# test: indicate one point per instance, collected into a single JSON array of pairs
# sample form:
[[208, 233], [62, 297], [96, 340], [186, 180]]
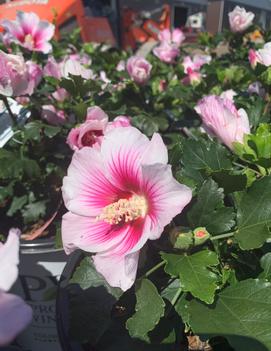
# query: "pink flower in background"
[[23, 100], [14, 76], [254, 58], [121, 66], [264, 55], [176, 37], [30, 32], [221, 118], [166, 53], [228, 94], [240, 19], [162, 85], [75, 68], [15, 315], [193, 77], [120, 121], [34, 76], [196, 62], [52, 115], [60, 94], [118, 197], [91, 132], [83, 59], [52, 68], [139, 69]]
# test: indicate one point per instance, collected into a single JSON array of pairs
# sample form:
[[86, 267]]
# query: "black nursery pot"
[[62, 305]]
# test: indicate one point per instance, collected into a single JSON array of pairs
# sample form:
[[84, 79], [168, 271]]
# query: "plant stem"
[[222, 236], [154, 268], [176, 296], [5, 100]]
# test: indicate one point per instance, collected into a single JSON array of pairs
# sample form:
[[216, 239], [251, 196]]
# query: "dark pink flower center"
[[90, 137]]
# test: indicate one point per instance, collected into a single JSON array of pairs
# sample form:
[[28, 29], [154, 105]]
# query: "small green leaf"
[[204, 155], [51, 131], [34, 211], [266, 266], [17, 204], [87, 276], [194, 272], [145, 123], [149, 310], [209, 210], [254, 215], [32, 131]]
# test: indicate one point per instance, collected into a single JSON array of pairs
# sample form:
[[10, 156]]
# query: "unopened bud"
[[181, 238], [200, 235]]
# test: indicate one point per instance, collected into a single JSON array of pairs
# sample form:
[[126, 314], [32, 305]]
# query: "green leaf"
[[254, 215], [194, 272], [170, 291], [81, 111], [209, 210], [230, 182], [149, 310], [243, 309], [34, 211], [51, 131], [69, 85], [257, 147], [205, 155], [30, 167], [32, 131], [86, 276], [17, 204], [266, 266], [91, 307], [145, 123]]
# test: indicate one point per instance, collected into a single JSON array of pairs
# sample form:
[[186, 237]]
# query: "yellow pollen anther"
[[124, 210], [28, 39]]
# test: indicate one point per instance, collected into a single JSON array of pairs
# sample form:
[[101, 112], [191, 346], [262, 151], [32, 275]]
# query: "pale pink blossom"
[[254, 58], [228, 94], [34, 76], [221, 118], [166, 52], [61, 94], [121, 66], [196, 62], [104, 79], [52, 68], [83, 59], [118, 197], [91, 132], [73, 67], [52, 115], [30, 32], [14, 75], [264, 55], [120, 121], [15, 315], [176, 37], [139, 69], [240, 19]]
